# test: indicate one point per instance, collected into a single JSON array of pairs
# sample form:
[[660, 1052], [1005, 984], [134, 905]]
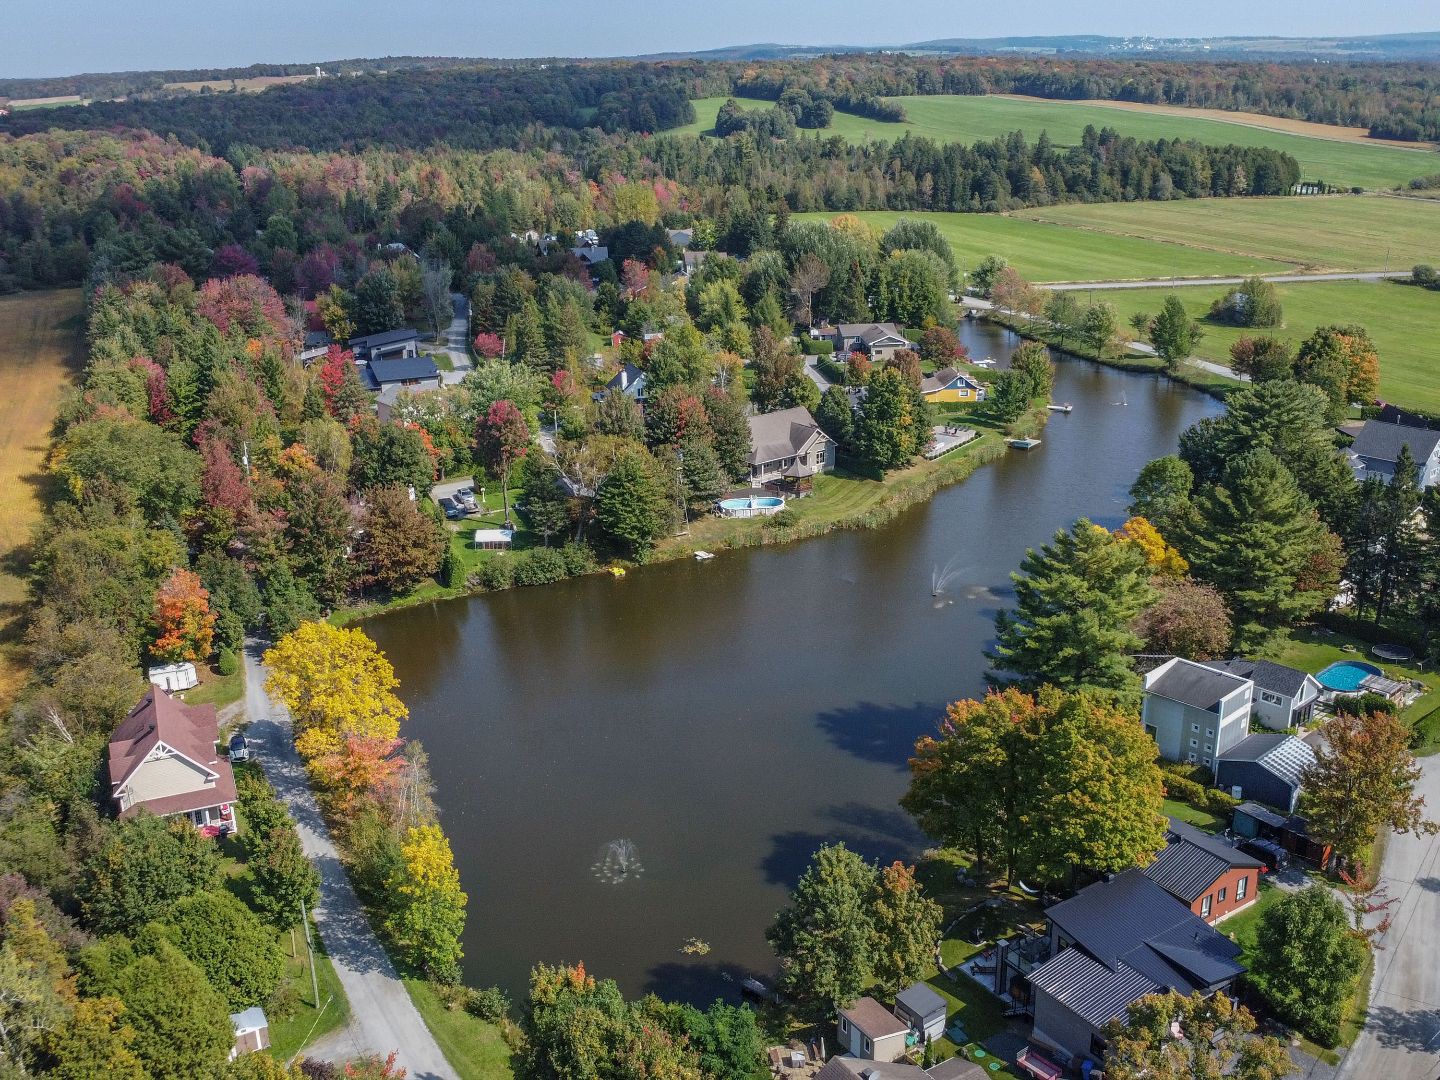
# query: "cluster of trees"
[[1254, 302]]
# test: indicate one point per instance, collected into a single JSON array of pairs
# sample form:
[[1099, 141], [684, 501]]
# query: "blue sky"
[[54, 37]]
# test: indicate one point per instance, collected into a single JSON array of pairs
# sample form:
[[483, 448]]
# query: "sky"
[[61, 37]]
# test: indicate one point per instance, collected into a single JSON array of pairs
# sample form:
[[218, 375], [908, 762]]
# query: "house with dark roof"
[[162, 758], [411, 372], [1110, 945], [788, 447], [1266, 767], [1195, 712], [923, 1009], [1284, 697], [879, 341], [851, 1068], [316, 344], [1377, 448], [870, 1031], [630, 381], [387, 345], [1208, 875], [951, 384]]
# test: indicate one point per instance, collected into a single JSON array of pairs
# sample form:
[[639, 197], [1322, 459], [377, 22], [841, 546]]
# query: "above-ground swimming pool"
[[1347, 675], [752, 506]]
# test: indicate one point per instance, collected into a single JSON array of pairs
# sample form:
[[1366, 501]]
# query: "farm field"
[[1323, 233], [954, 118], [40, 348], [1401, 320], [1043, 251]]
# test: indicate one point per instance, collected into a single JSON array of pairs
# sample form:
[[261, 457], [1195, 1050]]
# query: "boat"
[[1065, 408], [1023, 444], [703, 556], [616, 571], [989, 361]]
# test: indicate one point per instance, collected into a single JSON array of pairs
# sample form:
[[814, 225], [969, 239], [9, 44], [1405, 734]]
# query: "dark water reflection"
[[730, 717]]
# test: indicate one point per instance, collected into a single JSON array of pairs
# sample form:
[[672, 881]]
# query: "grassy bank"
[[289, 1037], [473, 1048]]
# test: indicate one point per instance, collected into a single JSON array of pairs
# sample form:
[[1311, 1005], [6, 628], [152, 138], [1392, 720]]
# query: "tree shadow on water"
[[877, 836], [698, 983], [880, 733]]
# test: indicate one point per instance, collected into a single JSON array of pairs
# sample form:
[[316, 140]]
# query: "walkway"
[[383, 1018], [1401, 1040]]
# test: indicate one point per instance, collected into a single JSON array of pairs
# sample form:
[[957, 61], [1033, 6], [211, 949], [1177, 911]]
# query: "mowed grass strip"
[[1402, 321], [40, 352], [1341, 232], [1045, 251], [967, 119]]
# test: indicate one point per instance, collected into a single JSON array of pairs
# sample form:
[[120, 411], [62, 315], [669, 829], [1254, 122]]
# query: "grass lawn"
[[41, 348], [1044, 251], [473, 1048], [967, 119], [289, 1037], [216, 689], [1201, 819], [1401, 320]]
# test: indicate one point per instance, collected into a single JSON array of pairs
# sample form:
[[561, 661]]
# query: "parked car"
[[452, 509], [1268, 852], [466, 498], [239, 748]]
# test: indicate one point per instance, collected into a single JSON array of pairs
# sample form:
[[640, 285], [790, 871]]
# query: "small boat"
[[1023, 444], [989, 361], [1065, 408], [704, 556], [616, 571]]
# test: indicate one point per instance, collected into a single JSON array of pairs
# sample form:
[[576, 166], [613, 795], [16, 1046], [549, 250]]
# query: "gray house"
[[1377, 448], [387, 346], [1267, 768], [630, 381], [788, 446], [411, 372], [879, 341], [1195, 712], [923, 1009], [1285, 697]]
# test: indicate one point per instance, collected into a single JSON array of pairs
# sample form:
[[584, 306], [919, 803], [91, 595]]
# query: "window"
[[1190, 756], [1206, 761], [1152, 731], [1220, 896], [1205, 908], [1194, 742], [1209, 732], [1273, 699], [1194, 727], [868, 1048], [1241, 886], [844, 1025]]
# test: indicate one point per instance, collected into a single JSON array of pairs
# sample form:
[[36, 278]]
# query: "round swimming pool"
[[750, 506], [1346, 676]]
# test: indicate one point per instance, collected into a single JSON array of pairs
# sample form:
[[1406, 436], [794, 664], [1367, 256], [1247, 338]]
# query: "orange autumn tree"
[[359, 767], [1162, 559], [184, 623]]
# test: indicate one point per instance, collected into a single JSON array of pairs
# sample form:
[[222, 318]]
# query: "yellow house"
[[948, 384]]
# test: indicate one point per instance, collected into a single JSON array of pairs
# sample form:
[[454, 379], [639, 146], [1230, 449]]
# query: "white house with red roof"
[[163, 759]]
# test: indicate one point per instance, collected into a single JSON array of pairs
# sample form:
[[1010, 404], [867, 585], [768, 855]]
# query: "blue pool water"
[[1346, 675], [764, 502]]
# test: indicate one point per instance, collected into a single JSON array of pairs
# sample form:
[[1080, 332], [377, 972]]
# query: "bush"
[[490, 1004], [817, 347], [579, 559], [498, 573], [540, 566], [1423, 274], [1364, 704], [284, 1003], [783, 520], [227, 663], [450, 568]]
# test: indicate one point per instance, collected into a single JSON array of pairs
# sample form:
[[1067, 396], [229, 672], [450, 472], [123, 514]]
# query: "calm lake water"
[[729, 717]]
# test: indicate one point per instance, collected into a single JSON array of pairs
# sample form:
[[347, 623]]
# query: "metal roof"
[[1382, 442], [1277, 678], [1088, 988], [388, 337], [403, 369], [1193, 860], [1281, 755], [920, 999], [1192, 684]]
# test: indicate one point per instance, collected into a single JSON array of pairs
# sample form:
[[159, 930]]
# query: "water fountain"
[[941, 576], [618, 862]]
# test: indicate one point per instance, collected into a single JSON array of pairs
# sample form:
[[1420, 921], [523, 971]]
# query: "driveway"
[[457, 340], [1401, 1040], [383, 1018]]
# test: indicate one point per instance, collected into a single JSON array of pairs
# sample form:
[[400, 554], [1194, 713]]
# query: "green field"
[[1401, 319], [1331, 233], [1042, 251], [950, 118]]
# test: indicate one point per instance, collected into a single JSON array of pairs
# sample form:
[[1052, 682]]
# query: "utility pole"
[[310, 955]]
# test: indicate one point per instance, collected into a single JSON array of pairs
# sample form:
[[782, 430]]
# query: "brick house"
[[1208, 875]]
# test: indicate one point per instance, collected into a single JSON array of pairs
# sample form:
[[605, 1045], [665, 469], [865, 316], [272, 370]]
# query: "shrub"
[[450, 570], [227, 663], [579, 559], [1423, 274], [820, 347], [783, 520], [498, 573], [490, 1004], [540, 566], [284, 1003], [1364, 704]]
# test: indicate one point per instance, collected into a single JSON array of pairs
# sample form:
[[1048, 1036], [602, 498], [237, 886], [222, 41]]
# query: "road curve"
[[383, 1018]]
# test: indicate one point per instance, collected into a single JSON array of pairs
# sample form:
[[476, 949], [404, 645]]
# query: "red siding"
[[1230, 883]]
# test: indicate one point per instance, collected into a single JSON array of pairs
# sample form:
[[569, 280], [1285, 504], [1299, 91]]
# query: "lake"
[[726, 718]]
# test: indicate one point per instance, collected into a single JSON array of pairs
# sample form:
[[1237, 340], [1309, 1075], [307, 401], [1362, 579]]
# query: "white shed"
[[173, 677]]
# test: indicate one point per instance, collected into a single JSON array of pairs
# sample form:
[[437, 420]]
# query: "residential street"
[[383, 1018], [1401, 1041]]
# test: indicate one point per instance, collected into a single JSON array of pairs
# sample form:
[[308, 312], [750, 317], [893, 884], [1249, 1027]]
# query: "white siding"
[[160, 777]]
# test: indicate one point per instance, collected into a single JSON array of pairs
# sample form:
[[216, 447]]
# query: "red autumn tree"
[[501, 438], [359, 767], [231, 260], [157, 400], [183, 621], [244, 301], [339, 383], [222, 482], [489, 345], [634, 279]]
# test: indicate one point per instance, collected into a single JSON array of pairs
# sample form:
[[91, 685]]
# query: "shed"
[[173, 677], [494, 539], [252, 1032], [923, 1009], [1267, 767]]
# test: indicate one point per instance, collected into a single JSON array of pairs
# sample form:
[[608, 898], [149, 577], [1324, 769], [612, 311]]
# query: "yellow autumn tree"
[[1163, 560], [335, 683], [427, 904]]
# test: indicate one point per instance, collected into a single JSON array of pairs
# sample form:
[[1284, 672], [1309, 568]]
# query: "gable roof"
[[1095, 993], [388, 337], [158, 718], [872, 332], [782, 434], [1192, 861], [1277, 678], [625, 378], [920, 999], [1283, 756], [403, 369], [873, 1019], [1382, 442], [946, 377], [848, 1068], [1192, 684]]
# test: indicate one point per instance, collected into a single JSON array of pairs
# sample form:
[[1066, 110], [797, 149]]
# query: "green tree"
[[1064, 314], [133, 461], [700, 471], [142, 866], [912, 286], [547, 505], [376, 305], [911, 234], [1385, 539], [386, 454], [1262, 359], [1161, 493], [1218, 1039], [427, 914], [282, 877], [1254, 302], [825, 937], [835, 415], [501, 439], [985, 273], [400, 546], [223, 938], [887, 428], [1031, 361], [1008, 396], [630, 503], [731, 433], [907, 926], [1343, 362], [1173, 333], [1098, 325], [1076, 600], [95, 1041], [680, 358], [1307, 958], [726, 1038]]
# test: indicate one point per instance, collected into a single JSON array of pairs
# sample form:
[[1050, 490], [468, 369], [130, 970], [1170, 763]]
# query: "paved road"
[[818, 377], [383, 1018], [1279, 279], [1401, 1040], [457, 340]]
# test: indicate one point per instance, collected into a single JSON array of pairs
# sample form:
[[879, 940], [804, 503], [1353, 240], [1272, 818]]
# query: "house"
[[1377, 448], [1267, 768], [1251, 821], [411, 372], [628, 381], [680, 238], [691, 261], [950, 384], [316, 344], [391, 395], [1112, 944], [386, 346], [162, 758], [923, 1009], [1284, 697], [850, 1068], [879, 341], [788, 446], [173, 677], [872, 1032], [1206, 874], [252, 1032], [1195, 712], [591, 255]]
